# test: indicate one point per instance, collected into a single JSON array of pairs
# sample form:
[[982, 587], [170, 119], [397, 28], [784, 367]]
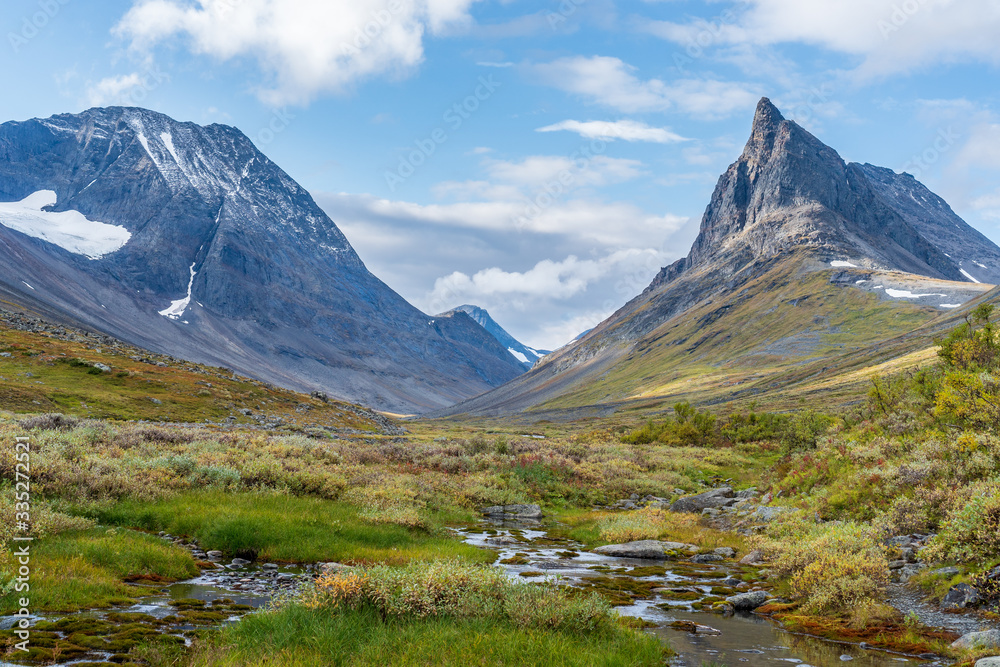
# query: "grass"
[[87, 569], [55, 372], [299, 637], [597, 528], [283, 528]]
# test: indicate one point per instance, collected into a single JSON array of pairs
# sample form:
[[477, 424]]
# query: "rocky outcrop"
[[748, 601]]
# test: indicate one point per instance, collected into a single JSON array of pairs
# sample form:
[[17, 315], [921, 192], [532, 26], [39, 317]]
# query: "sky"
[[540, 159]]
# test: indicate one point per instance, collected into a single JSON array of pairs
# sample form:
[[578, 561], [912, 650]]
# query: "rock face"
[[960, 596], [788, 207], [648, 549], [526, 356], [195, 244]]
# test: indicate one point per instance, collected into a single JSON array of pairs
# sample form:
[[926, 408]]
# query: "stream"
[[662, 593], [666, 593]]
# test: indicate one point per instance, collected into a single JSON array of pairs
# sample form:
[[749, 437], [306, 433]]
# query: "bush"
[[52, 421], [971, 533], [452, 589]]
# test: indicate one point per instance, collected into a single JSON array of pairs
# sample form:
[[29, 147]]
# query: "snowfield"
[[70, 230]]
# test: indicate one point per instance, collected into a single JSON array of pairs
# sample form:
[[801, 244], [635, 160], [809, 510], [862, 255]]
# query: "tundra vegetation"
[[919, 454]]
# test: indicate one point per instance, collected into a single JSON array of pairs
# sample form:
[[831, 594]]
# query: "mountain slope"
[[527, 356], [198, 246], [800, 256]]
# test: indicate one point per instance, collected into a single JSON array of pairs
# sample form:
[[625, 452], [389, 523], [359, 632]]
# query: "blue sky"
[[540, 159]]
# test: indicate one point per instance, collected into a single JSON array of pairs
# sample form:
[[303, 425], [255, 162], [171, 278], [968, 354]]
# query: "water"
[[742, 639]]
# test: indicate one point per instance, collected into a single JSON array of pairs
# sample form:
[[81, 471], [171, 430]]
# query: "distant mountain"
[[527, 356], [800, 256], [187, 240]]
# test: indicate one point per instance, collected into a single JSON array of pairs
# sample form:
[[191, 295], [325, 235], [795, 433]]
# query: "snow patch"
[[70, 230], [966, 274], [841, 264], [144, 141], [906, 294], [981, 266], [177, 308], [168, 141], [518, 355], [858, 282], [950, 305], [27, 285]]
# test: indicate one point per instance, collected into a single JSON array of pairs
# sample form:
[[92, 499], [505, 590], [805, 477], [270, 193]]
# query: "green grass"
[[87, 569], [285, 528], [298, 637]]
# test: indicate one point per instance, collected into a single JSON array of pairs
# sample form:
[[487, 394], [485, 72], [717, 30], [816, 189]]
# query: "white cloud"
[[536, 170], [611, 82], [113, 90], [611, 224], [304, 47], [547, 278], [888, 35], [628, 130]]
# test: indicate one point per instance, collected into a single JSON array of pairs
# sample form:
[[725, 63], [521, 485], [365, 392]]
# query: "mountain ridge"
[[789, 209], [229, 262], [527, 356]]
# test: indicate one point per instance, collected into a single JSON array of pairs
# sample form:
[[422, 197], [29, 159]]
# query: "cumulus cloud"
[[888, 35], [113, 90], [304, 47], [627, 130], [612, 83]]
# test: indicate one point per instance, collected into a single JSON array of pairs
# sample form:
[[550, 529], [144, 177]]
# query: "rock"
[[950, 571], [766, 499], [240, 562], [960, 596], [747, 493], [5, 354], [755, 557], [709, 499], [707, 558], [155, 401], [270, 566], [908, 554], [320, 396], [769, 514], [214, 555], [650, 549], [725, 552], [102, 367], [989, 662], [988, 639], [520, 511], [732, 581], [747, 601], [503, 540], [334, 568], [897, 564], [711, 512], [846, 658], [907, 572]]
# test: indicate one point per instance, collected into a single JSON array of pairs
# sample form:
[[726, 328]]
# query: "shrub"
[[972, 531], [452, 589], [52, 421]]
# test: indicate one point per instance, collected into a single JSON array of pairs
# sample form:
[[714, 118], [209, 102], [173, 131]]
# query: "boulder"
[[709, 499], [989, 662], [747, 493], [334, 568], [725, 552], [707, 558], [515, 511], [769, 514], [649, 549], [755, 557], [988, 639], [949, 571], [960, 596], [747, 601]]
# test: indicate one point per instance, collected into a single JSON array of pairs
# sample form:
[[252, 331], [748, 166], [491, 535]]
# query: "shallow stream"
[[741, 639]]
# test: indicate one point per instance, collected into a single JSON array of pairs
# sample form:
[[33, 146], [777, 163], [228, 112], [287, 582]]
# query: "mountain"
[[800, 257], [187, 240], [527, 356]]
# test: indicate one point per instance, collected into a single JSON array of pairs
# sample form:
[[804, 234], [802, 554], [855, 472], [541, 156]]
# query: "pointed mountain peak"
[[767, 116]]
